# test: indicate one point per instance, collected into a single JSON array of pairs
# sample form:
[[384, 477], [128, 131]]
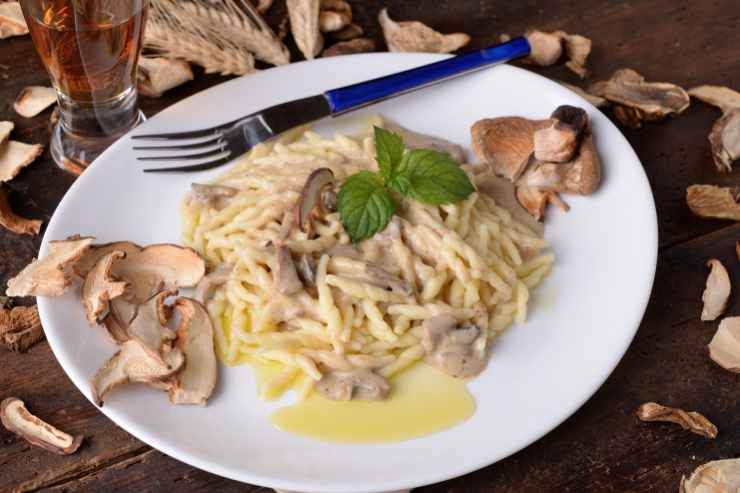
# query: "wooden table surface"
[[603, 447]]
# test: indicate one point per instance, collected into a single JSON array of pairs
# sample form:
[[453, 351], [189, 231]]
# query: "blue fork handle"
[[355, 96]]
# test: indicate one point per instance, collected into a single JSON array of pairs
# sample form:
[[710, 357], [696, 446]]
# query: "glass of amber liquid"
[[90, 49]]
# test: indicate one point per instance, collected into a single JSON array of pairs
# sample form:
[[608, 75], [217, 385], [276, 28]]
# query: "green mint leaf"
[[365, 205], [389, 151], [431, 177]]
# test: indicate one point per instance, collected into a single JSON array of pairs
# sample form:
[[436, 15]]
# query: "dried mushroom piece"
[[5, 129], [149, 326], [13, 222], [14, 156], [577, 49], [719, 476], [195, 383], [597, 101], [12, 22], [692, 421], [636, 100], [413, 36], [20, 328], [714, 201], [717, 291], [101, 286], [334, 15], [48, 276], [157, 75], [548, 48], [725, 140], [724, 348], [33, 100], [357, 45], [17, 419], [723, 98], [304, 22]]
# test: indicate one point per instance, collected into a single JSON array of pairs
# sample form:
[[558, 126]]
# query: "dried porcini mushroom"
[[101, 286], [334, 15], [718, 476], [304, 22], [714, 201], [577, 49], [195, 383], [597, 101], [13, 222], [157, 75], [724, 98], [310, 197], [724, 348], [20, 327], [48, 276], [149, 328], [5, 129], [12, 22], [357, 45], [725, 134], [692, 421], [33, 100], [17, 419], [717, 291], [413, 36], [14, 156], [636, 100], [548, 48]]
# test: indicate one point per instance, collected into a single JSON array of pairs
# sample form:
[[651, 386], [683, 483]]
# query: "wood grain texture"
[[603, 447]]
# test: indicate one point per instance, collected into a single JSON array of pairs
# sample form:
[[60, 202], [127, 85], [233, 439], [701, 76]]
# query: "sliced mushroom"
[[14, 156], [133, 363], [101, 286], [47, 276], [415, 140], [580, 176], [304, 22], [719, 476], [285, 277], [714, 201], [310, 196], [33, 100], [215, 196], [458, 350], [20, 328], [692, 421], [149, 328], [724, 348], [12, 22], [723, 98], [17, 419], [116, 329], [559, 142], [13, 222], [597, 101], [220, 275], [413, 36], [361, 384], [357, 45], [717, 291], [194, 384], [644, 101], [157, 75], [577, 49], [725, 140], [5, 129], [348, 32], [306, 269]]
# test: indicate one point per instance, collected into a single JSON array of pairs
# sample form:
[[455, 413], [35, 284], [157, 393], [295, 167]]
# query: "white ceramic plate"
[[582, 319]]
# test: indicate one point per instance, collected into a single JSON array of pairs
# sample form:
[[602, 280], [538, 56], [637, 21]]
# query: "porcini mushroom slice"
[[133, 363], [580, 176], [724, 348], [649, 101], [157, 75], [723, 98], [692, 421], [47, 276], [17, 419], [12, 22], [149, 325], [285, 277], [33, 100], [714, 201], [304, 23], [458, 350], [14, 156], [5, 129], [413, 36], [20, 327], [546, 48], [100, 287], [719, 476], [195, 383], [558, 143], [717, 291], [725, 141], [311, 195], [13, 222], [359, 384], [357, 45], [212, 280], [577, 49]]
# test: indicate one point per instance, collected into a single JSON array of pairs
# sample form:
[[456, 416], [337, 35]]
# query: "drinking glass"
[[90, 49]]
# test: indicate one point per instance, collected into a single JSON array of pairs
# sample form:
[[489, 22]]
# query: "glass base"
[[74, 153]]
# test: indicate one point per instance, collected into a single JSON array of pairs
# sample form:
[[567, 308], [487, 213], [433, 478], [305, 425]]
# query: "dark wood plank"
[[603, 447]]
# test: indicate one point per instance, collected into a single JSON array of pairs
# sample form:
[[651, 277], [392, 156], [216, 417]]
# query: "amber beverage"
[[90, 49]]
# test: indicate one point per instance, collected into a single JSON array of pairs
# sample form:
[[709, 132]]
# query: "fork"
[[223, 143]]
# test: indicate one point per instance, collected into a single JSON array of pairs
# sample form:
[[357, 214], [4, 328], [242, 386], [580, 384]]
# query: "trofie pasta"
[[358, 306]]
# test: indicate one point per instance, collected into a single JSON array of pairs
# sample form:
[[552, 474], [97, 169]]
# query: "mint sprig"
[[365, 203]]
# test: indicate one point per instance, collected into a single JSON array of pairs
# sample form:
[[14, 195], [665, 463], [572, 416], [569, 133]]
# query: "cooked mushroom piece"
[[458, 350], [304, 23], [17, 419], [14, 156], [717, 291], [47, 276], [219, 276], [12, 22], [719, 476], [580, 176], [306, 269], [413, 36], [714, 201], [158, 75], [195, 383], [100, 287], [361, 384], [558, 143], [33, 100], [310, 196], [724, 348], [149, 325], [692, 421], [13, 222], [285, 277], [216, 196], [415, 140]]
